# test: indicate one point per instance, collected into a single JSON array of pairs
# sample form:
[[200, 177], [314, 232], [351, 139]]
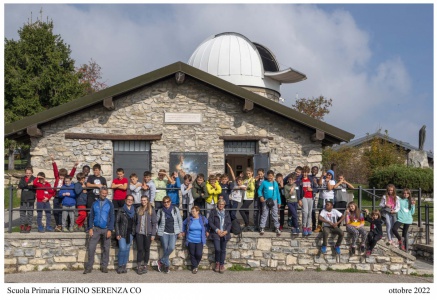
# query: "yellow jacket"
[[250, 188], [213, 192]]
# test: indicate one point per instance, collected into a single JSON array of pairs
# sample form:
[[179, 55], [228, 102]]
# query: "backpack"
[[236, 229]]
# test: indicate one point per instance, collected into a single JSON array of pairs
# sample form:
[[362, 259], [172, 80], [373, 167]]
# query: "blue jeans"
[[123, 251], [292, 208], [57, 214], [168, 243], [220, 250], [43, 206]]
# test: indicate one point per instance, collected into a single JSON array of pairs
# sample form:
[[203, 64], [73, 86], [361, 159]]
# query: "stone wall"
[[66, 251], [142, 112]]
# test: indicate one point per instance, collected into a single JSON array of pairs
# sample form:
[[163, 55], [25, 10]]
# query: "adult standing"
[[169, 229], [145, 230], [195, 228], [124, 231], [96, 182], [102, 223], [27, 203], [220, 223]]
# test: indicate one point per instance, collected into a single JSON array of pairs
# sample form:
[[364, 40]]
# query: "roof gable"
[[333, 134]]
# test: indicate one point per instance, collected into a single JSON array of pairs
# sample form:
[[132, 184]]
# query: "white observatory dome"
[[233, 57]]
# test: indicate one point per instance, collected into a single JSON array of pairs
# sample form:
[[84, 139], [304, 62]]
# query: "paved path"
[[212, 277]]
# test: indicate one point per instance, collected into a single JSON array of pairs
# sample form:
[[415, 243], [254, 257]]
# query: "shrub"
[[403, 177]]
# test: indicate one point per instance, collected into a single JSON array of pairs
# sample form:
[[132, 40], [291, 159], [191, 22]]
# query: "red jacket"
[[43, 193], [56, 173]]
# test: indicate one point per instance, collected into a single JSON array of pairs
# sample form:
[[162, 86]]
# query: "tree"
[[382, 153], [90, 75], [39, 73], [314, 107]]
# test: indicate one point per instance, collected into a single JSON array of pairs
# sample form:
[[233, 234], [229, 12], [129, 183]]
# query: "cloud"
[[329, 47]]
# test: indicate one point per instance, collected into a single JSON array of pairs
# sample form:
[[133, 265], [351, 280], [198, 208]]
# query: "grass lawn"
[[15, 201]]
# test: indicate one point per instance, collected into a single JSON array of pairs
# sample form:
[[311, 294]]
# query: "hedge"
[[403, 177]]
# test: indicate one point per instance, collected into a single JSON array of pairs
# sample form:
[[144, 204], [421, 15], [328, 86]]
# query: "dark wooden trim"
[[318, 136], [248, 105], [108, 103], [114, 137], [244, 137], [34, 131]]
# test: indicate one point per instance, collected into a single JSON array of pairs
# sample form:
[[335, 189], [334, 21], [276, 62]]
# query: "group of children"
[[268, 193]]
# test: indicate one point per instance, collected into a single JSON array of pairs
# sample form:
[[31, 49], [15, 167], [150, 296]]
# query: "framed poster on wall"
[[191, 163]]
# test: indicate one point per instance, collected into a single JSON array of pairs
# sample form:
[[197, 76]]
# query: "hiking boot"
[[119, 270], [194, 271], [318, 229], [87, 270], [104, 269], [222, 269], [49, 228], [22, 228], [261, 231], [337, 250], [28, 228], [323, 249], [58, 228], [159, 265], [123, 269], [278, 231], [217, 267]]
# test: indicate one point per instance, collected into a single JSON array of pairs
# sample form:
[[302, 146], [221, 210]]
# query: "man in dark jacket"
[[101, 225], [27, 200]]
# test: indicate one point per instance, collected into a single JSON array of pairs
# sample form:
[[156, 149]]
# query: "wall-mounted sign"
[[182, 118]]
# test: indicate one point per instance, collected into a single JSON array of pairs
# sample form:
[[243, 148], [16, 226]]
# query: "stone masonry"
[[67, 251], [141, 112]]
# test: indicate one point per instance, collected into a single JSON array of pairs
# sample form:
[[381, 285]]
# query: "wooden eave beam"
[[114, 137]]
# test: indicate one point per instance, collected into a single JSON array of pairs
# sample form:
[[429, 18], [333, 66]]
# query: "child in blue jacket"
[[68, 197]]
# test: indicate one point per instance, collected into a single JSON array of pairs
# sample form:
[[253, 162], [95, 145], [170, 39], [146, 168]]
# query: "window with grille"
[[132, 156], [240, 147]]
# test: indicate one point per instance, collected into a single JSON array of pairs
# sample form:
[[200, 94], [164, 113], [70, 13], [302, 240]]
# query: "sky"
[[375, 61]]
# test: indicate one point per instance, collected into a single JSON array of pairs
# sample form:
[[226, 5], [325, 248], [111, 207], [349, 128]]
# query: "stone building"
[[195, 117]]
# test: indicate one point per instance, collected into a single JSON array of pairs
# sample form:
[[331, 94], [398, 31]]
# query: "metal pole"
[[360, 195], [427, 223], [11, 190], [373, 198], [419, 204]]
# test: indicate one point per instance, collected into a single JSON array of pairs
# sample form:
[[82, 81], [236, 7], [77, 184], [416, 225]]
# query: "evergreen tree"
[[39, 73]]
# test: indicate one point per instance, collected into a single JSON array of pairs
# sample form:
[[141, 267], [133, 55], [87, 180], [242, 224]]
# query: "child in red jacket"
[[44, 193]]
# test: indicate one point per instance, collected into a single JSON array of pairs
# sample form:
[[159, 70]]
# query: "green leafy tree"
[[381, 153], [39, 72], [314, 107]]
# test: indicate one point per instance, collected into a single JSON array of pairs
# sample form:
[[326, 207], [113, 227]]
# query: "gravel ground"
[[228, 277]]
